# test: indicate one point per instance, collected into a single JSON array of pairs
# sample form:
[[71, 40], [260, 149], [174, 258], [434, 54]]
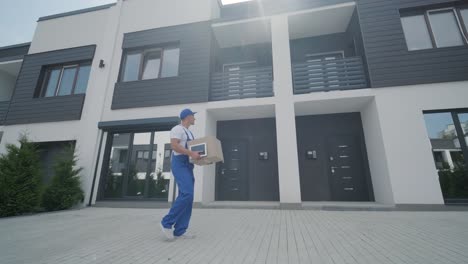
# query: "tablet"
[[200, 148]]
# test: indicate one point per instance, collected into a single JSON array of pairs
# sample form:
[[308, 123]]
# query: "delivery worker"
[[181, 210]]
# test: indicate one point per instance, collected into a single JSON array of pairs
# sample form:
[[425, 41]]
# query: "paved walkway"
[[114, 235]]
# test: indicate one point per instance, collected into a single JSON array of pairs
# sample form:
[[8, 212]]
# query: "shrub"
[[65, 188], [20, 178]]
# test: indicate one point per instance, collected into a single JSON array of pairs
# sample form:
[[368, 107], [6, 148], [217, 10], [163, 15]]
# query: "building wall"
[[390, 63], [7, 84], [15, 52], [408, 149], [400, 160], [193, 80], [70, 31], [272, 7], [26, 108]]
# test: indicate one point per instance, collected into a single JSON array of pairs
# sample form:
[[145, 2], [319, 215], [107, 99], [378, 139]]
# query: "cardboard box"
[[210, 148]]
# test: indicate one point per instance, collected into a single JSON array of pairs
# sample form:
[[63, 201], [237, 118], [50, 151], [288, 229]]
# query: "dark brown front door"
[[232, 174], [345, 169], [332, 158]]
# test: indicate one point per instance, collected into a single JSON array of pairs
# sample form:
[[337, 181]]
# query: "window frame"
[[46, 77], [47, 74], [145, 52], [145, 56], [457, 18], [84, 64], [426, 12], [462, 21], [71, 66]]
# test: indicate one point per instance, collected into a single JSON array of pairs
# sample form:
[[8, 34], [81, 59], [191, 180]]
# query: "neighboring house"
[[313, 100]]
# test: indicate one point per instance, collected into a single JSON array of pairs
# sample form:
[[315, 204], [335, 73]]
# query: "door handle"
[[222, 171], [333, 169]]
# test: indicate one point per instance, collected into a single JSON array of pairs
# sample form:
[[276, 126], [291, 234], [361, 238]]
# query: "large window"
[[436, 28], [135, 166], [62, 80], [150, 64], [447, 132]]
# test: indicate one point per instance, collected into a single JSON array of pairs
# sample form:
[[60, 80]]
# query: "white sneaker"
[[186, 235], [167, 232]]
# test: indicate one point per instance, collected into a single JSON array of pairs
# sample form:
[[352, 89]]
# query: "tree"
[[65, 189], [20, 178]]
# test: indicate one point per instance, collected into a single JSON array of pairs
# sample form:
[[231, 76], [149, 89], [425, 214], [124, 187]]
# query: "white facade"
[[399, 150]]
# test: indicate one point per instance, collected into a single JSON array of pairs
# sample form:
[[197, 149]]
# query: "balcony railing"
[[244, 83], [325, 75]]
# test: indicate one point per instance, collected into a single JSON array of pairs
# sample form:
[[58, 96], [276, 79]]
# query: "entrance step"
[[347, 206], [239, 205], [132, 204]]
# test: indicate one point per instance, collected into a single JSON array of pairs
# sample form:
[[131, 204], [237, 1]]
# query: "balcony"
[[241, 61], [239, 84], [326, 75], [327, 50]]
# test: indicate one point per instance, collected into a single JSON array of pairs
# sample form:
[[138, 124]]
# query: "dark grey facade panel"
[[389, 61], [270, 7], [25, 108], [3, 111], [14, 52], [192, 83]]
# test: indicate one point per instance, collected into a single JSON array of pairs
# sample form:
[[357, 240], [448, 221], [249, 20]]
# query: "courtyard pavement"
[[130, 235]]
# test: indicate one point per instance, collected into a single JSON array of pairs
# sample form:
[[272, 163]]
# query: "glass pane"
[[66, 82], [160, 167], [170, 66], [464, 124], [52, 83], [464, 14], [82, 79], [448, 156], [132, 67], [445, 28], [117, 166], [416, 32], [152, 64], [139, 164]]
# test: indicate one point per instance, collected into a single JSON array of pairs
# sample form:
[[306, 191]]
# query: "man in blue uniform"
[[181, 210]]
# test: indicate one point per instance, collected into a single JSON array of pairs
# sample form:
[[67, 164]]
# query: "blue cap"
[[185, 113]]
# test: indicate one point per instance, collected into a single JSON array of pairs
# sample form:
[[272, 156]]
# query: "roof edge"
[[76, 12]]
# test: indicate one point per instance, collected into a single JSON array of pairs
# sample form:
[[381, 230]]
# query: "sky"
[[18, 18]]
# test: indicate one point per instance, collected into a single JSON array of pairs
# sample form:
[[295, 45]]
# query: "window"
[[132, 64], [65, 80], [447, 134], [171, 62], [151, 64], [438, 28], [445, 28], [416, 32]]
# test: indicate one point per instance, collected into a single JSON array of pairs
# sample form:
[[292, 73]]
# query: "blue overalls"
[[181, 210]]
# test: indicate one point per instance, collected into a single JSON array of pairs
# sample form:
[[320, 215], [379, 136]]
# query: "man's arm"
[[175, 144]]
